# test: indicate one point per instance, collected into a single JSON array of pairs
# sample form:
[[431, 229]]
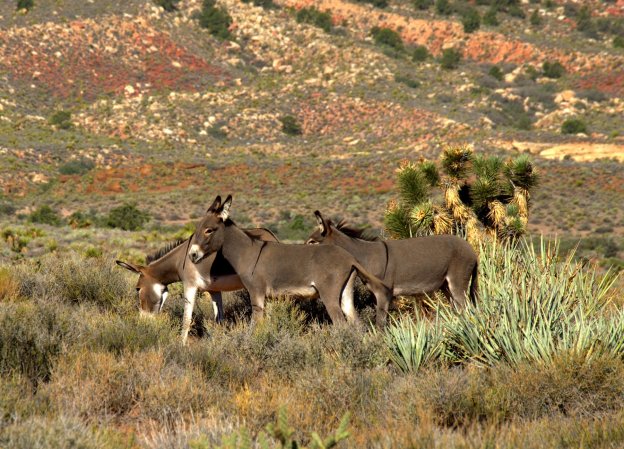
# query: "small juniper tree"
[[482, 196]]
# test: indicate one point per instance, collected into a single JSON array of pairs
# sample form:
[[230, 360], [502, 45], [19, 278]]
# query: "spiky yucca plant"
[[482, 195]]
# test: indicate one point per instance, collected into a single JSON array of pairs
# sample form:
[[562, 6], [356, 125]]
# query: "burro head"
[[210, 231], [321, 233], [152, 294]]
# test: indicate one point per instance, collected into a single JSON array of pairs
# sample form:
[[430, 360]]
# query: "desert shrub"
[[127, 217], [61, 120], [496, 72], [76, 167], [584, 22], [99, 385], [422, 4], [420, 53], [535, 19], [592, 95], [215, 19], [263, 3], [7, 208], [167, 5], [516, 11], [353, 347], [450, 59], [311, 15], [490, 18], [443, 7], [9, 287], [387, 37], [16, 399], [573, 126], [618, 42], [75, 280], [126, 333], [408, 81], [290, 125], [471, 20], [62, 432], [375, 3], [31, 338], [25, 4], [553, 69], [45, 215]]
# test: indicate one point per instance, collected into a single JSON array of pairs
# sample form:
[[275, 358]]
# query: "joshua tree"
[[481, 196]]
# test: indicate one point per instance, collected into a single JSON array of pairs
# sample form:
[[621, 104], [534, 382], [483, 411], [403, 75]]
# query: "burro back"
[[411, 266], [272, 268]]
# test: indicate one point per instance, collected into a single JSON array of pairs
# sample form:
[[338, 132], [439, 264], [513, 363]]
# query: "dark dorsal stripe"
[[355, 233], [164, 251]]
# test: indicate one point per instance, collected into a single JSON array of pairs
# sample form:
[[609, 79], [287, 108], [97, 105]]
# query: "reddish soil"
[[84, 59]]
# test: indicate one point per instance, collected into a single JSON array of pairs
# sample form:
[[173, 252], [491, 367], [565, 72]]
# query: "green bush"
[[535, 19], [315, 17], [490, 18], [387, 37], [420, 53], [76, 167], [422, 4], [215, 19], [290, 125], [408, 81], [167, 5], [496, 72], [45, 215], [471, 20], [573, 126], [25, 4], [263, 3], [61, 120], [618, 42], [443, 7], [375, 3], [450, 59], [553, 69], [7, 208], [127, 217], [516, 11]]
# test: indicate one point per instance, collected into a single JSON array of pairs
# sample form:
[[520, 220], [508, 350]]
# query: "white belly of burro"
[[294, 291]]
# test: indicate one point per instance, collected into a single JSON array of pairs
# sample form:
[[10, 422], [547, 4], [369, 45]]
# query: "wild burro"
[[409, 266], [213, 274], [271, 268]]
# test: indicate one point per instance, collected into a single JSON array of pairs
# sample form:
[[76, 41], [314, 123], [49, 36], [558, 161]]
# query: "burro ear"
[[129, 266], [216, 204], [321, 222], [225, 208]]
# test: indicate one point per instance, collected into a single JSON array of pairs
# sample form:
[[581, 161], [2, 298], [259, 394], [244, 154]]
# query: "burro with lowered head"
[[409, 266], [214, 275], [271, 268]]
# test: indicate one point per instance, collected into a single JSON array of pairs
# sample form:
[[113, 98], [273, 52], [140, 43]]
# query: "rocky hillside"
[[103, 103]]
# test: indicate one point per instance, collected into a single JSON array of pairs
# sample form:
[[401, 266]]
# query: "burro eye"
[[208, 231]]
